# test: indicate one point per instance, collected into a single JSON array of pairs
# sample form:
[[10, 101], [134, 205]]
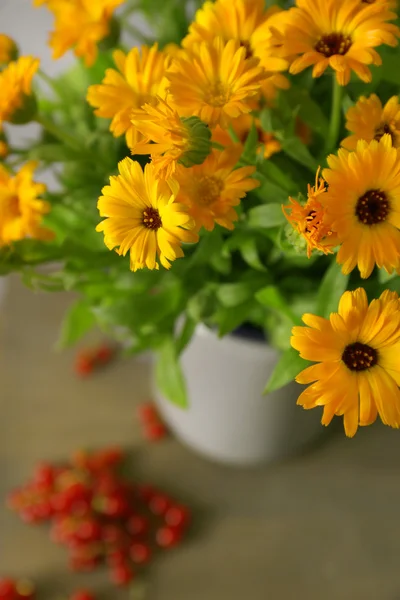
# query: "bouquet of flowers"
[[241, 165]]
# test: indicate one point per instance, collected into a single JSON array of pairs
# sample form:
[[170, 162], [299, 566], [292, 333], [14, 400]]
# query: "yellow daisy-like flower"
[[170, 139], [215, 82], [139, 79], [211, 190], [368, 120], [16, 88], [249, 23], [8, 49], [228, 19], [362, 205], [341, 35], [357, 352], [267, 49], [21, 209], [143, 217], [79, 24], [310, 220]]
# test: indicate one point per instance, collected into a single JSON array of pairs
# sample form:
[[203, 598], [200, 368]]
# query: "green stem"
[[336, 110], [48, 80], [64, 137]]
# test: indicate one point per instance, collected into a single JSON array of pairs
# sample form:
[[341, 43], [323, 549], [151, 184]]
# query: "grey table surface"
[[321, 526]]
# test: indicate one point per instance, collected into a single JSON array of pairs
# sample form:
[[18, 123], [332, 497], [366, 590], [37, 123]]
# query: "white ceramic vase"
[[229, 419]]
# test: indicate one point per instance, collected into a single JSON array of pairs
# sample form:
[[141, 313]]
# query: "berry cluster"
[[99, 516], [16, 589], [152, 425], [88, 360]]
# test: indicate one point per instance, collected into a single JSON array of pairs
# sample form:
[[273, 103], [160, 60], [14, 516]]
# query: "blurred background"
[[323, 525]]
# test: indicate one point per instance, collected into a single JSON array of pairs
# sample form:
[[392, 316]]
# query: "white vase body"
[[228, 418]]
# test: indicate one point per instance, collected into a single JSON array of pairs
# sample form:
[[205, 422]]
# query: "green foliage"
[[289, 365], [169, 374], [332, 287], [257, 273], [78, 321]]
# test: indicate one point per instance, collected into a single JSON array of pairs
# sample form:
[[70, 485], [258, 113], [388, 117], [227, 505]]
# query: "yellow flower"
[[79, 24], [228, 19], [215, 82], [341, 35], [310, 220], [368, 120], [8, 49], [139, 79], [143, 217], [211, 190], [249, 23], [357, 352], [266, 47], [170, 139], [15, 86], [21, 210], [363, 205]]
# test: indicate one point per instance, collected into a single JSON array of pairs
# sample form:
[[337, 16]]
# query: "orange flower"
[[79, 24], [310, 219], [212, 189]]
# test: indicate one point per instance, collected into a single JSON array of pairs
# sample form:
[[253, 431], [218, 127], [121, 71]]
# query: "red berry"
[[121, 574], [7, 588], [155, 431], [103, 354], [84, 365], [177, 516], [145, 492], [44, 475], [147, 412], [137, 525], [82, 595], [167, 537], [159, 504], [140, 553], [116, 557], [112, 534], [89, 530]]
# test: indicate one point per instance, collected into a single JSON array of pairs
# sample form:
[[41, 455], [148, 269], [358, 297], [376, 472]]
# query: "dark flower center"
[[372, 207], [381, 130], [333, 43], [151, 218], [359, 357]]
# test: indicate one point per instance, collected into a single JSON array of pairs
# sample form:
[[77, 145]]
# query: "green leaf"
[[271, 297], [250, 146], [384, 276], [269, 192], [78, 321], [331, 289], [233, 294], [266, 216], [289, 365], [275, 175], [294, 148], [229, 319], [185, 334], [390, 68], [169, 376], [308, 110], [249, 251]]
